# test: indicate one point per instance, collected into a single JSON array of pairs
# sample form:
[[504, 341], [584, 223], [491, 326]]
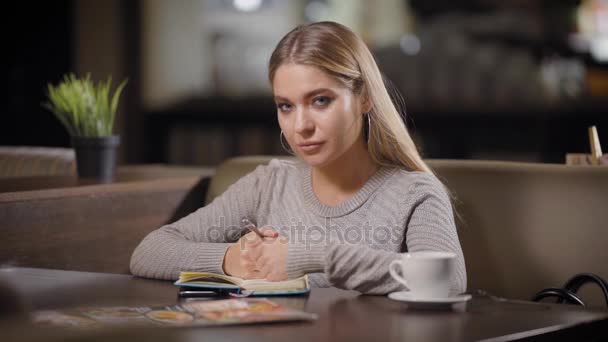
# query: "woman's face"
[[320, 118]]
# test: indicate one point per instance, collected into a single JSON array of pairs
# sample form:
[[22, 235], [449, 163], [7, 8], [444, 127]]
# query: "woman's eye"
[[283, 107], [322, 101]]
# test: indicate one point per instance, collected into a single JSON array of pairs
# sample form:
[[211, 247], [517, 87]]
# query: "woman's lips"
[[310, 147]]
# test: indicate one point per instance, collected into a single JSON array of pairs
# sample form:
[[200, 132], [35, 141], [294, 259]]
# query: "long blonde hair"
[[340, 53]]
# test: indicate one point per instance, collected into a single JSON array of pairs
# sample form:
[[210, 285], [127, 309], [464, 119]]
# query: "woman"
[[358, 195]]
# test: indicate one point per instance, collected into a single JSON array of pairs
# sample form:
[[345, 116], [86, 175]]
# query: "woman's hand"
[[240, 264], [266, 258]]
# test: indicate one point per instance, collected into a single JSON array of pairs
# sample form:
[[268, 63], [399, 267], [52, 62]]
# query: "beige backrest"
[[91, 228], [524, 226]]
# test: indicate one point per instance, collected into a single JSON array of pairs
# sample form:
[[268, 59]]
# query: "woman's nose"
[[303, 122]]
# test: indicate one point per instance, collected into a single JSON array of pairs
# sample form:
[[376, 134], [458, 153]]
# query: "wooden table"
[[343, 315]]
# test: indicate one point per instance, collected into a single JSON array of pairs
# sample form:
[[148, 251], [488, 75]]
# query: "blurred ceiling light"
[[599, 49], [592, 24], [316, 11], [247, 5], [410, 44]]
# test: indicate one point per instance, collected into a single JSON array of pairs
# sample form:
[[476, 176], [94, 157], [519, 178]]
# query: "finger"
[[255, 274], [250, 237], [248, 266], [275, 277], [262, 273], [249, 241], [269, 232], [261, 263], [252, 272], [251, 253], [252, 275], [246, 256]]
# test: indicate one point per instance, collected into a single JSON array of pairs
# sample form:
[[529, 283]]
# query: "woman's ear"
[[366, 107], [366, 103]]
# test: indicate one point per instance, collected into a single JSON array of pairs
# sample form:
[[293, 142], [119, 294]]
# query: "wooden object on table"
[[65, 223], [596, 148], [595, 158], [578, 159], [343, 315], [585, 159]]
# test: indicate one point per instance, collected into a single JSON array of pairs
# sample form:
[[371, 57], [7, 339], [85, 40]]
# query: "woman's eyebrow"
[[306, 96]]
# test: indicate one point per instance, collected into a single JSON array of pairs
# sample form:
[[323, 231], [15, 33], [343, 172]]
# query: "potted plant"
[[87, 110]]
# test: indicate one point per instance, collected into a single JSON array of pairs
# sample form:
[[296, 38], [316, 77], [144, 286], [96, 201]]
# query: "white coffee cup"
[[425, 274]]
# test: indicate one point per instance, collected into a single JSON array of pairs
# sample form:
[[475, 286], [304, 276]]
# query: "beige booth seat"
[[523, 226]]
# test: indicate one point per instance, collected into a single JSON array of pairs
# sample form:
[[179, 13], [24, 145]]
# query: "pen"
[[247, 224]]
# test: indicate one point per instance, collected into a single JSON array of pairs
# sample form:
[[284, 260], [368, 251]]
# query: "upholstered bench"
[[523, 226]]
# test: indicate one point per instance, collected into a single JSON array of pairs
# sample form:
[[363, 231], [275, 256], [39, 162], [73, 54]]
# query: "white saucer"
[[407, 297]]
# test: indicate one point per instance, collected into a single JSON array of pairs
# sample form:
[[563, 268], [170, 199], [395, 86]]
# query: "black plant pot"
[[96, 157]]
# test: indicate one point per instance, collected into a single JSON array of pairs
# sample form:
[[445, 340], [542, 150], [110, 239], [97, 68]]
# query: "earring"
[[288, 150], [369, 127]]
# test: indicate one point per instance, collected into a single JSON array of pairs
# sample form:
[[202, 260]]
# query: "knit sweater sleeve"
[[198, 242], [430, 226]]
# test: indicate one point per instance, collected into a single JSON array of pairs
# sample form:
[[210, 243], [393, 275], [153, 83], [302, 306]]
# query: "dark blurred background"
[[482, 79]]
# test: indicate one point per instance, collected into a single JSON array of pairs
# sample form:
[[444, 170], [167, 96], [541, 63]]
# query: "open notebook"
[[260, 287]]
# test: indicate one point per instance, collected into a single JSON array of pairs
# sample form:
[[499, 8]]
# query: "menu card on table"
[[190, 313]]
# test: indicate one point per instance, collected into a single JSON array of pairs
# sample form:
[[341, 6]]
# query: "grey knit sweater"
[[348, 246]]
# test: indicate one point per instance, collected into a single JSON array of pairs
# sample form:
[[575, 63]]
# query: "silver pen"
[[247, 224]]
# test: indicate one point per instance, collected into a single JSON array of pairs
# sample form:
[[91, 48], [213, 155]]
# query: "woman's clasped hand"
[[255, 257]]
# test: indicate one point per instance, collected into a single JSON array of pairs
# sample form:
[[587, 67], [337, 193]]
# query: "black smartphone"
[[194, 292]]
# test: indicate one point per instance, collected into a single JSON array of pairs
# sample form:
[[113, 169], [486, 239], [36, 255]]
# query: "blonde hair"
[[338, 51]]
